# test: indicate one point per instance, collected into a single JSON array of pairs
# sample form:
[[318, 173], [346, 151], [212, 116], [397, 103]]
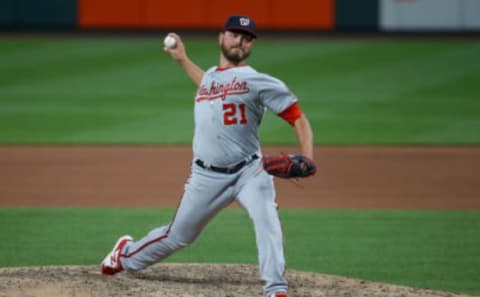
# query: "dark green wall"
[[7, 12], [357, 15], [38, 13]]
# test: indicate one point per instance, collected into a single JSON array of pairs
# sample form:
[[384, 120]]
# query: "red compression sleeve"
[[291, 114]]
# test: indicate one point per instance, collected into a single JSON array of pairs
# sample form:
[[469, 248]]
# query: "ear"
[[220, 37]]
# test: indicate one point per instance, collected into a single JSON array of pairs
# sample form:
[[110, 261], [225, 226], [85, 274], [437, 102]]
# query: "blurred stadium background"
[[321, 15]]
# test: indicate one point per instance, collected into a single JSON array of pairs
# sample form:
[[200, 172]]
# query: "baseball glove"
[[289, 166]]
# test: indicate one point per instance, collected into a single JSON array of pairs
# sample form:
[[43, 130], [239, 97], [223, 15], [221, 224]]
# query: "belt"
[[227, 170]]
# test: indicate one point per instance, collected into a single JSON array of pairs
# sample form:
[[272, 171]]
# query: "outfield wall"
[[317, 15], [208, 14], [429, 15], [38, 13]]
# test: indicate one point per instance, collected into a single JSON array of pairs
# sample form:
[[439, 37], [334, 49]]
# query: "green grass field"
[[129, 91], [427, 249], [355, 92]]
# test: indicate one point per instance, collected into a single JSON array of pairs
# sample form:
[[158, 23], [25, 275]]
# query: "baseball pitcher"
[[227, 164]]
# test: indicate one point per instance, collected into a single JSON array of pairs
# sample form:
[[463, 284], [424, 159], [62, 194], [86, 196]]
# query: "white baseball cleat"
[[278, 294], [111, 264]]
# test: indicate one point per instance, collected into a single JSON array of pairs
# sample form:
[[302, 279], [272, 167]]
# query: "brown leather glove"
[[289, 166]]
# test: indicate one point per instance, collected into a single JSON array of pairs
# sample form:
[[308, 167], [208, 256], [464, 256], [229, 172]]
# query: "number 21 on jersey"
[[234, 114]]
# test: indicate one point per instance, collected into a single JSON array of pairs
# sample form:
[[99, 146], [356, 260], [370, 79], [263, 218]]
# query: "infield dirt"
[[187, 280], [153, 176]]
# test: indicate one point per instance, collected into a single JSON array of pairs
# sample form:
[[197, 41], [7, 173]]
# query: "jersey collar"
[[219, 69]]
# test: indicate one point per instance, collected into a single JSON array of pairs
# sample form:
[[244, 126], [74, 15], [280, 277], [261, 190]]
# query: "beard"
[[235, 55]]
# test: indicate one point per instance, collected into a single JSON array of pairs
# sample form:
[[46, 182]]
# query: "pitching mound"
[[174, 280]]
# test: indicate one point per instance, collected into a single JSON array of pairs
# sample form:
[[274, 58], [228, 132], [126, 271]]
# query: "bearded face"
[[236, 47]]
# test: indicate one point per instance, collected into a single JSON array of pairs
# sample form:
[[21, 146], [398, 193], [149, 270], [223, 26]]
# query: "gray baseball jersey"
[[229, 106]]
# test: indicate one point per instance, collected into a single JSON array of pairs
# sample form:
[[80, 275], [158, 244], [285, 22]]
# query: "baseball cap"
[[241, 23]]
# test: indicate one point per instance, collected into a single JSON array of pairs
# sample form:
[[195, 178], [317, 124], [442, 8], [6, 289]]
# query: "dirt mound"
[[187, 280]]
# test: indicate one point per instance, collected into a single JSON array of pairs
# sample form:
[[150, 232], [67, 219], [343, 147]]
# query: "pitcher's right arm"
[[179, 54]]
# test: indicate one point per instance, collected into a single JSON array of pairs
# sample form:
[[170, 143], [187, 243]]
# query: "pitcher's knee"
[[179, 242]]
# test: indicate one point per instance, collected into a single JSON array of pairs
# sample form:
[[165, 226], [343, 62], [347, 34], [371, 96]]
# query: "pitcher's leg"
[[198, 205], [154, 247], [257, 197]]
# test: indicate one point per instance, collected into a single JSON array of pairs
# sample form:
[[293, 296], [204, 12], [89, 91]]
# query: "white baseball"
[[169, 41]]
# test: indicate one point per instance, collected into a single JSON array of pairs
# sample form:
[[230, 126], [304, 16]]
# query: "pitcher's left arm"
[[304, 134], [294, 166]]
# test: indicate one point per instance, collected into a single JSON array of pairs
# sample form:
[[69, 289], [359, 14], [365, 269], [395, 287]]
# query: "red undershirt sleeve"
[[291, 114]]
